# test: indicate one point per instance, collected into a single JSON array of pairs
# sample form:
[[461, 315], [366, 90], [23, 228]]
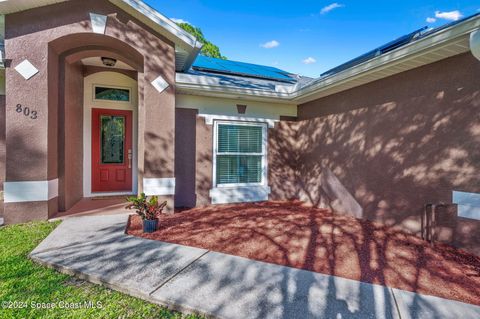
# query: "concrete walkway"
[[190, 279]]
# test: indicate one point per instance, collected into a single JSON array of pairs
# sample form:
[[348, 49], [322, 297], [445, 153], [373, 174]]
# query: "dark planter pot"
[[149, 226]]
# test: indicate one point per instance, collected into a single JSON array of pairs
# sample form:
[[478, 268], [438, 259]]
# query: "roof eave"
[[137, 9], [455, 36], [201, 86], [434, 47], [191, 58], [145, 13], [164, 26]]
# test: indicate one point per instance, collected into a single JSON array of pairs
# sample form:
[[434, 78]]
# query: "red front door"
[[111, 150]]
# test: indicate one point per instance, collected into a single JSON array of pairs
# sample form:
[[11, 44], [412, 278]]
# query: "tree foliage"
[[209, 49]]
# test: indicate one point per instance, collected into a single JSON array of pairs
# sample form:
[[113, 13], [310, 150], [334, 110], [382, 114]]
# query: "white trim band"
[[17, 192], [226, 195], [159, 186], [210, 117]]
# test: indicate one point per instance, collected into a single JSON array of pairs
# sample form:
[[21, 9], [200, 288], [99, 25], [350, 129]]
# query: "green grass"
[[25, 282]]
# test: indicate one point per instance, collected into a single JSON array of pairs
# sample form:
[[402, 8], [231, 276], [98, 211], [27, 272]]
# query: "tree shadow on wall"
[[390, 158]]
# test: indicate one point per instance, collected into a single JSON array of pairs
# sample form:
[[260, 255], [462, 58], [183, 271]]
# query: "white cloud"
[[179, 20], [431, 20], [450, 15], [270, 44], [331, 7], [309, 60]]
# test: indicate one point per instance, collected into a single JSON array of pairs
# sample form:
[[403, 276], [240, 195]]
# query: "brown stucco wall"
[[383, 150], [27, 211], [204, 164], [283, 156], [185, 149], [2, 148], [70, 125], [61, 32]]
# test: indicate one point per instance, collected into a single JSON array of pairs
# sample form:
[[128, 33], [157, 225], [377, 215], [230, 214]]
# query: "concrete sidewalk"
[[190, 279]]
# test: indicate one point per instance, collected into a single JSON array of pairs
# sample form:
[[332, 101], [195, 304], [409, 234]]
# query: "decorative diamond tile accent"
[[160, 84], [26, 69], [99, 22]]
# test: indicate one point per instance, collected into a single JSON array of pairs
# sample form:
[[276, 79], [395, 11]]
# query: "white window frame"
[[264, 154], [94, 98]]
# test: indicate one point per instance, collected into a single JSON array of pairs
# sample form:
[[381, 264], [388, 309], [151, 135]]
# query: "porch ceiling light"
[[475, 43], [108, 61]]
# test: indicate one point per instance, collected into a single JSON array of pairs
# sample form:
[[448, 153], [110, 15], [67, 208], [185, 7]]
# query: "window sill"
[[239, 194]]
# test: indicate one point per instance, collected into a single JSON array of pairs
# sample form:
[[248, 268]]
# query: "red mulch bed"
[[287, 233]]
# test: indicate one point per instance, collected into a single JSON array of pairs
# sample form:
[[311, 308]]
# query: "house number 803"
[[25, 110]]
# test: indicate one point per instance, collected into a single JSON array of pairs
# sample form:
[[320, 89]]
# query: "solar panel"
[[375, 52], [203, 63]]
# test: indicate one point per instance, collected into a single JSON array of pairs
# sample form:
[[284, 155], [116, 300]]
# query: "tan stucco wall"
[[223, 106], [383, 150]]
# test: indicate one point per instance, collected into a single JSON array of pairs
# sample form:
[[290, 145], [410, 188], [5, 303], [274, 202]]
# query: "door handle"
[[129, 158]]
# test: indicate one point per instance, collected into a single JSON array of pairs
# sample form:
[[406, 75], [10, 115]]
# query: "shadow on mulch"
[[289, 234]]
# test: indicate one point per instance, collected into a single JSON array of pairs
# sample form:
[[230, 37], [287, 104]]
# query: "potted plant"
[[148, 209]]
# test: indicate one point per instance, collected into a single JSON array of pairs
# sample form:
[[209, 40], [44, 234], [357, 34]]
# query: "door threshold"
[[112, 195]]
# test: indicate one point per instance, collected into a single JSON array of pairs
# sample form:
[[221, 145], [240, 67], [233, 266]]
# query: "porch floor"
[[96, 206], [289, 234]]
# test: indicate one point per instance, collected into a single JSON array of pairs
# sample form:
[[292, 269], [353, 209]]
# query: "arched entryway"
[[97, 117], [45, 152]]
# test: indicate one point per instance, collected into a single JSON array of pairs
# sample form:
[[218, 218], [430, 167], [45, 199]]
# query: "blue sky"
[[308, 37]]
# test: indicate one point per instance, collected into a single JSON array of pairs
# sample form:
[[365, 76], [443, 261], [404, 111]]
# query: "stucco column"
[[157, 112], [31, 184]]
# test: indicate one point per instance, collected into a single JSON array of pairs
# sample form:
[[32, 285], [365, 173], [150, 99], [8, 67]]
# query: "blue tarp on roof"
[[203, 63]]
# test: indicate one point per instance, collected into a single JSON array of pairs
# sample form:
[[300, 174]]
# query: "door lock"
[[129, 158]]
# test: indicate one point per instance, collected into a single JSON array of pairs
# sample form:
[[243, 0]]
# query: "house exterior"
[[102, 98]]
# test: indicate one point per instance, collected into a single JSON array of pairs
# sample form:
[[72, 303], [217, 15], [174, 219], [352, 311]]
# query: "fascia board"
[[147, 14], [408, 51], [164, 26]]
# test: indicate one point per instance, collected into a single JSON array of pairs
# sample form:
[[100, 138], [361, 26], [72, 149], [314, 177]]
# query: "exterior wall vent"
[[241, 108]]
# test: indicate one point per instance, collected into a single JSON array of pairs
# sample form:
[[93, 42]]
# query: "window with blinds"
[[239, 153]]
